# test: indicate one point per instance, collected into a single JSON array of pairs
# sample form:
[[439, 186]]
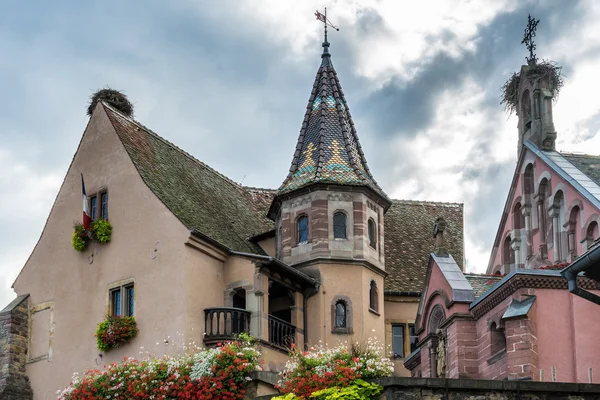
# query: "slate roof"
[[200, 197], [328, 150], [408, 234], [589, 165], [482, 283]]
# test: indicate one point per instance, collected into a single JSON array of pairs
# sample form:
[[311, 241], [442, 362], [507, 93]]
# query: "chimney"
[[438, 233]]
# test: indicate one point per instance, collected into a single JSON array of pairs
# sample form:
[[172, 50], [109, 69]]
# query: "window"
[[372, 234], [94, 207], [498, 340], [398, 340], [404, 339], [104, 204], [339, 225], [99, 210], [302, 229], [340, 314], [413, 337], [373, 298], [122, 301]]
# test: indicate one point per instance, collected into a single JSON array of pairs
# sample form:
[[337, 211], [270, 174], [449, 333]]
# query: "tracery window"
[[372, 232], [339, 225], [302, 229]]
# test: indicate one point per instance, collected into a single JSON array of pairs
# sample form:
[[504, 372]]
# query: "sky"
[[229, 81]]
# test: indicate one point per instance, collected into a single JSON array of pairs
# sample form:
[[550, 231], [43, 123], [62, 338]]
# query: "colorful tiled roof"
[[199, 196], [328, 150], [409, 240], [589, 165], [482, 283]]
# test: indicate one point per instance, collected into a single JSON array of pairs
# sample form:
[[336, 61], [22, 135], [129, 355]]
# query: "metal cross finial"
[[532, 24]]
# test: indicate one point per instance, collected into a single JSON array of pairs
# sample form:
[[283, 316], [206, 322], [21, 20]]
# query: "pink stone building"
[[523, 320]]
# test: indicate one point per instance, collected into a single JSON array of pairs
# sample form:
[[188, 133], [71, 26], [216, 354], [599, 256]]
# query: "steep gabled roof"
[[589, 165], [200, 197], [408, 233], [328, 150]]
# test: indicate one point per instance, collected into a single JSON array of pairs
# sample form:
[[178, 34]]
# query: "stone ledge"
[[488, 385]]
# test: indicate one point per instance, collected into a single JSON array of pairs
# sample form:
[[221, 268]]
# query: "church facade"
[[523, 320], [195, 257]]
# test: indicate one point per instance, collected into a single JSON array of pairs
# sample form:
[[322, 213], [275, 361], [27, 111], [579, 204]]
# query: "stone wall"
[[454, 389], [14, 328]]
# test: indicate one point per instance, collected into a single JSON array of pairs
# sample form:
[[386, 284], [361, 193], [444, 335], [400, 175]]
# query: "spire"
[[328, 150]]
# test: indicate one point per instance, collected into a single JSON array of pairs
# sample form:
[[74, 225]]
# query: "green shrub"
[[102, 230], [358, 390], [79, 239]]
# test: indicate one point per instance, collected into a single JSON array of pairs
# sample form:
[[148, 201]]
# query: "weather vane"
[[532, 24], [323, 18]]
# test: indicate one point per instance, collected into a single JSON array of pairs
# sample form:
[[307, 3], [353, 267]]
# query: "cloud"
[[229, 81]]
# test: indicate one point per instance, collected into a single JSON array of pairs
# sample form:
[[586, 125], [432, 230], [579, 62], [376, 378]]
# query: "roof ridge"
[[171, 144], [258, 188], [427, 202]]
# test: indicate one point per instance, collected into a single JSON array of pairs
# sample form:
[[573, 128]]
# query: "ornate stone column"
[[554, 213], [541, 211], [515, 244], [526, 210]]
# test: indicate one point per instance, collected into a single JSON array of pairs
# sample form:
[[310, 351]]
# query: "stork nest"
[[546, 70], [116, 99]]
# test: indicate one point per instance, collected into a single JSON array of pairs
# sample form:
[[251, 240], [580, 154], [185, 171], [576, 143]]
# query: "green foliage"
[[115, 331], [102, 230], [79, 239], [358, 390], [289, 396]]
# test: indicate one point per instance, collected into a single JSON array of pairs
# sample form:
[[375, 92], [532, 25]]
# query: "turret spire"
[[328, 150]]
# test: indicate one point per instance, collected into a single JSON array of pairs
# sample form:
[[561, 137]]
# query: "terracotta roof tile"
[[409, 240]]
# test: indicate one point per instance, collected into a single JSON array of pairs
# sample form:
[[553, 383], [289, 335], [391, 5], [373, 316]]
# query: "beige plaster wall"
[[146, 247], [351, 281], [398, 310]]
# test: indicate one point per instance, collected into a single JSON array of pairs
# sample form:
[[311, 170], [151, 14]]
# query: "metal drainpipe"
[[305, 296], [582, 264]]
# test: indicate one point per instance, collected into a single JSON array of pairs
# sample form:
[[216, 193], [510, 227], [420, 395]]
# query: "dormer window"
[[339, 225], [302, 229], [372, 231]]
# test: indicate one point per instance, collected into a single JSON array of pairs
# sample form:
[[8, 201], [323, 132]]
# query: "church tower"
[[535, 87], [329, 216]]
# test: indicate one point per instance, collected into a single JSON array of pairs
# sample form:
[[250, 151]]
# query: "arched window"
[[372, 231], [591, 233], [558, 212], [498, 339], [528, 182], [518, 217], [373, 297], [302, 229], [545, 233], [340, 314], [508, 255], [339, 225]]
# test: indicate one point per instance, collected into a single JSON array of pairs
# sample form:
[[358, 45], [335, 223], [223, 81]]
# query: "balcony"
[[224, 323]]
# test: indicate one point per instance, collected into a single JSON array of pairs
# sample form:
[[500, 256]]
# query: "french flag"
[[86, 211]]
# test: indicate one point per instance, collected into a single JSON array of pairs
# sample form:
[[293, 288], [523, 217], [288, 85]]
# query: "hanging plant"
[[99, 231], [80, 237], [115, 331], [545, 70]]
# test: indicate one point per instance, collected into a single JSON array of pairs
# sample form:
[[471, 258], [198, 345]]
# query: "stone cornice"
[[519, 281]]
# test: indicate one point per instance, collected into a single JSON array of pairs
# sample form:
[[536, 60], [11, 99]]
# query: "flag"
[[320, 16], [86, 211]]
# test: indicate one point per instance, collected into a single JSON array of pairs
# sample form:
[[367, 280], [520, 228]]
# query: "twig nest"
[[116, 99]]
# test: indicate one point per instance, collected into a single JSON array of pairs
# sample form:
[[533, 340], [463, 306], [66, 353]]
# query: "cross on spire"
[[326, 22], [532, 24]]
